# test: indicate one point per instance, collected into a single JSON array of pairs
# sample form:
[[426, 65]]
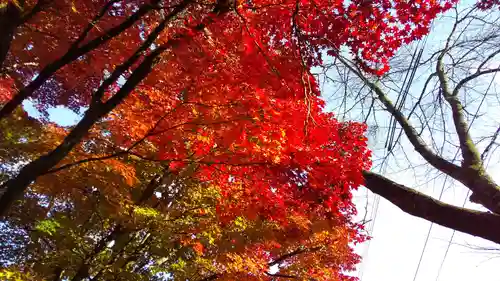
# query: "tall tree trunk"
[[10, 16]]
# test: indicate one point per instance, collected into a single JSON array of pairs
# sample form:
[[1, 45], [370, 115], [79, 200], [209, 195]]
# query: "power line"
[[373, 215], [442, 189], [468, 191], [401, 98], [407, 88], [403, 93], [449, 242], [430, 227], [440, 196]]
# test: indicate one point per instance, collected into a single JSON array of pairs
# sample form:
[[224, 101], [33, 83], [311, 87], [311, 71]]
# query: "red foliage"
[[488, 4], [293, 30], [259, 137], [232, 95], [238, 92]]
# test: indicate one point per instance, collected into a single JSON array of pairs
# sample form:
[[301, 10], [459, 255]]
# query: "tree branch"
[[277, 275], [10, 16], [467, 79], [71, 55], [469, 152], [40, 4], [482, 224], [120, 70], [92, 23], [473, 175], [292, 254], [15, 187], [275, 262], [413, 136]]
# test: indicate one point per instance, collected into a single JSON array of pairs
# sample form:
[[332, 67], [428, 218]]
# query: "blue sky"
[[60, 115]]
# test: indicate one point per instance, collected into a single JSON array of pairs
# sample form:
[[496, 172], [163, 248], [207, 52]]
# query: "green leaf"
[[179, 265], [49, 226], [146, 212]]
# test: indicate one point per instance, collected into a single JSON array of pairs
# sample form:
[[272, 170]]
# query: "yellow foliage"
[[15, 275], [146, 212]]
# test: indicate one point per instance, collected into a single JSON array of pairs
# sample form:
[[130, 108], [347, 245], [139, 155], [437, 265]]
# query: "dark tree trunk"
[[10, 17]]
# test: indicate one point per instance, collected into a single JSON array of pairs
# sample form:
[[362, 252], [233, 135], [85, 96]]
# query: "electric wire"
[[415, 60], [442, 190], [468, 191]]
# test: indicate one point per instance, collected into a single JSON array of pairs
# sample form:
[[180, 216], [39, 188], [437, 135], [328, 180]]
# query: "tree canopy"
[[204, 151]]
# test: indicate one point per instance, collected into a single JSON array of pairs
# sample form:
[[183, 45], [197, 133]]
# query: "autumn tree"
[[189, 196], [204, 151], [258, 32], [439, 100]]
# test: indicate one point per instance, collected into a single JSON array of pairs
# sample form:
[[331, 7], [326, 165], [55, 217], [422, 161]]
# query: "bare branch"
[[420, 146], [477, 74]]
